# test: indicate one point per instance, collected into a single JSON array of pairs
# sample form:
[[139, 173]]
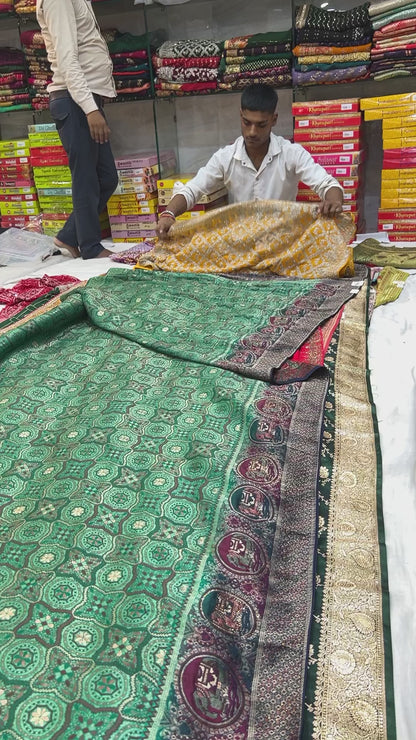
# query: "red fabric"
[[28, 290]]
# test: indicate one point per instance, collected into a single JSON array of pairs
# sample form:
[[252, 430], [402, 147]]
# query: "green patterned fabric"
[[157, 536]]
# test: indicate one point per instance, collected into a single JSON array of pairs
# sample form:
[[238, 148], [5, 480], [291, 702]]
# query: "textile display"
[[331, 46], [26, 291], [40, 73], [288, 239], [394, 42], [260, 57], [131, 66], [159, 510], [186, 67], [14, 90]]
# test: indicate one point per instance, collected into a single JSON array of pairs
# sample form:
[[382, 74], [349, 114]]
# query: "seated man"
[[258, 166]]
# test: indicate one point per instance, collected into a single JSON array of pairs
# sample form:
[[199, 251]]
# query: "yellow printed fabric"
[[287, 239]]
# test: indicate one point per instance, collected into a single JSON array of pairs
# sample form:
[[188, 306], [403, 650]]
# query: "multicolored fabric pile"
[[131, 67], [14, 89], [40, 74], [331, 46], [187, 67], [394, 41], [260, 57]]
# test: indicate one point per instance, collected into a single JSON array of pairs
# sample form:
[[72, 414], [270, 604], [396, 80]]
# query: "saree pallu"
[[288, 239], [159, 501]]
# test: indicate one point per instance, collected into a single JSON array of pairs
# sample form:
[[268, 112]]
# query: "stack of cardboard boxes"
[[331, 130], [397, 212], [18, 197]]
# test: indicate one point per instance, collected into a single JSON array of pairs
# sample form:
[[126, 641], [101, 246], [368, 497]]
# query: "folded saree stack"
[[25, 7], [260, 57], [6, 6], [331, 46], [187, 67], [393, 53], [131, 68], [38, 66], [14, 90]]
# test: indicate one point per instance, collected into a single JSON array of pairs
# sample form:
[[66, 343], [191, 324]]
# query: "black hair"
[[259, 97]]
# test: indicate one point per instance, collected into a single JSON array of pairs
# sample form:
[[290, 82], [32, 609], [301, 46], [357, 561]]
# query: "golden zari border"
[[350, 691]]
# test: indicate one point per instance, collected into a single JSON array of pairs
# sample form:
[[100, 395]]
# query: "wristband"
[[170, 214]]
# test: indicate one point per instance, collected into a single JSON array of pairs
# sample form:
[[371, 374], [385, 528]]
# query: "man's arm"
[[332, 202], [321, 182], [207, 180], [61, 23], [177, 206]]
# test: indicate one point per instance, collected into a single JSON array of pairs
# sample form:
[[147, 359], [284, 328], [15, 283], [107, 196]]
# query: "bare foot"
[[73, 251], [104, 253]]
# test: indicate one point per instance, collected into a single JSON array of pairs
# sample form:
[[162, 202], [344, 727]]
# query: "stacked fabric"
[[187, 67], [6, 6], [14, 90], [18, 197], [260, 57], [38, 66], [331, 46], [394, 40], [397, 212], [331, 131], [132, 208], [131, 67], [25, 7]]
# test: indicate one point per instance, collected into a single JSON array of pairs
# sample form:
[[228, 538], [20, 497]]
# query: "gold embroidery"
[[350, 695]]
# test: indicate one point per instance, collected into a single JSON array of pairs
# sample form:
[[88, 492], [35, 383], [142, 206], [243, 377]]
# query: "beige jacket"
[[76, 50]]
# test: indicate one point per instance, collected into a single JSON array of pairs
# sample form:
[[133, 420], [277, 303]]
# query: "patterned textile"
[[239, 83], [130, 256], [288, 239], [256, 39], [390, 283], [209, 62], [187, 74], [346, 74], [346, 654], [310, 50], [256, 65], [330, 58], [370, 251], [378, 8], [189, 48], [403, 14], [332, 21], [258, 50], [158, 532]]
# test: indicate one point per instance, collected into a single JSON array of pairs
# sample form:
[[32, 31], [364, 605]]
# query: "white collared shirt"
[[283, 167], [76, 50]]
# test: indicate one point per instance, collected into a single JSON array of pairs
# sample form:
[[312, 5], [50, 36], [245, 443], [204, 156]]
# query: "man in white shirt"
[[258, 166], [82, 78]]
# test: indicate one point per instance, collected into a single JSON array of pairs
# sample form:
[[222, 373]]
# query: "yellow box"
[[169, 182], [387, 101]]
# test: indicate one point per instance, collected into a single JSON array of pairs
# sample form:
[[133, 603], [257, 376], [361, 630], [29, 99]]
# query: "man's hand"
[[99, 130], [332, 205], [163, 227]]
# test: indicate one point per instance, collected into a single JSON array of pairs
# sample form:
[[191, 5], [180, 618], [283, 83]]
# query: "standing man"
[[81, 79], [258, 166]]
